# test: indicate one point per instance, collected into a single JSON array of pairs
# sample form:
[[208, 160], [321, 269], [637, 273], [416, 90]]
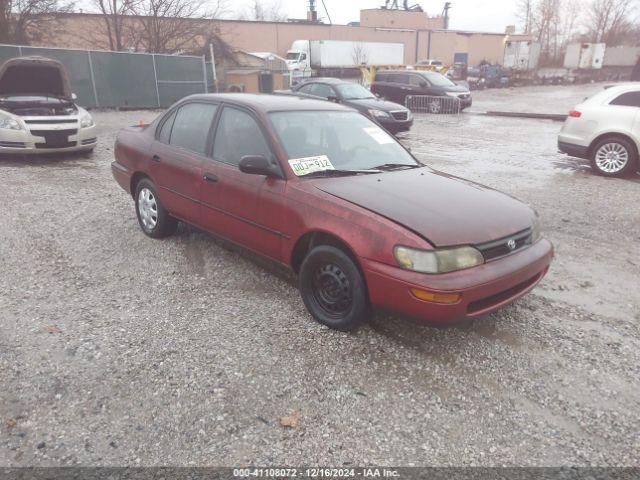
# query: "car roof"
[[330, 80], [408, 70], [271, 103]]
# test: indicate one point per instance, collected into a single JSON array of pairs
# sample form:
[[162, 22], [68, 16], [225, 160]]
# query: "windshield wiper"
[[394, 166], [338, 172]]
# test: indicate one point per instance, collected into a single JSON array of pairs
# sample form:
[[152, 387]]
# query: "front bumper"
[[483, 289], [48, 138], [395, 126]]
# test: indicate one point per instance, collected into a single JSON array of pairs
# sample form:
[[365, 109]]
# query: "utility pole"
[[445, 14]]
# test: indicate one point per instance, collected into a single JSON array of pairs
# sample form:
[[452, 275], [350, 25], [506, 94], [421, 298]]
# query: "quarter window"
[[191, 126], [238, 135], [629, 99], [165, 132]]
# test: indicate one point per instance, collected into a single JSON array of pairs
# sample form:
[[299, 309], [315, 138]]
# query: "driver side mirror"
[[257, 165], [424, 84], [333, 98]]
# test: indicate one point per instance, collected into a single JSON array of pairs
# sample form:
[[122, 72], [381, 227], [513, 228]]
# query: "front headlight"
[[86, 121], [437, 261], [536, 230], [7, 122], [378, 114]]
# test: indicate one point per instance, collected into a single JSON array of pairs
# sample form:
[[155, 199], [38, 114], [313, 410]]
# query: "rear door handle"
[[156, 158], [210, 177]]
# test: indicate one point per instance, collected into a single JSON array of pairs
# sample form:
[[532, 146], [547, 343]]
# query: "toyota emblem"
[[511, 244]]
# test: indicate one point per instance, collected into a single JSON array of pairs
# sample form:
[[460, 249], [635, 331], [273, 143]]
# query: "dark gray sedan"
[[392, 116]]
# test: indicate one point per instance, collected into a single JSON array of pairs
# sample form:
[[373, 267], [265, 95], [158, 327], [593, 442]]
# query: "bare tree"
[[173, 26], [264, 11], [611, 21], [23, 21], [114, 13], [524, 13], [359, 54]]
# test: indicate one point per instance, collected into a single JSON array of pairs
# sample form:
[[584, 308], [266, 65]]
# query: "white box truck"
[[585, 56], [340, 58]]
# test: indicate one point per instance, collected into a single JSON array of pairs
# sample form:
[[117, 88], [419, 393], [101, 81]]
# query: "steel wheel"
[[612, 157], [332, 290], [148, 208]]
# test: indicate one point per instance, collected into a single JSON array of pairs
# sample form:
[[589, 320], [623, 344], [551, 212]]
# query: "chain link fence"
[[122, 79]]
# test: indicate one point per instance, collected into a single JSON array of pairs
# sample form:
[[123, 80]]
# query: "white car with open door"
[[605, 129], [37, 109]]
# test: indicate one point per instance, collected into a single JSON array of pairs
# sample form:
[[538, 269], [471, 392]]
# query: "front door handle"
[[156, 158], [210, 177]]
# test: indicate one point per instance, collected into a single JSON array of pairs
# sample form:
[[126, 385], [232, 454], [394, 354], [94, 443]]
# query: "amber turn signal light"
[[436, 297]]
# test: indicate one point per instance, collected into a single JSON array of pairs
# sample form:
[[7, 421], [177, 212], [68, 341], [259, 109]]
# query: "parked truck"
[[336, 58]]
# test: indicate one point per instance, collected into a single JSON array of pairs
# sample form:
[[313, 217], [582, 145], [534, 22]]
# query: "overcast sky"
[[485, 15]]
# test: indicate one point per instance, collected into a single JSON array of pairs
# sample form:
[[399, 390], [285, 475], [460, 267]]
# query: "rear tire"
[[614, 157], [153, 218], [333, 289]]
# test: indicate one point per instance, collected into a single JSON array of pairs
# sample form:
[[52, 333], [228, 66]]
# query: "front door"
[[244, 208], [177, 157]]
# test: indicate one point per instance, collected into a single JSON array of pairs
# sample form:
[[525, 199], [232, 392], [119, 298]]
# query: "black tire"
[[158, 224], [333, 289], [616, 145]]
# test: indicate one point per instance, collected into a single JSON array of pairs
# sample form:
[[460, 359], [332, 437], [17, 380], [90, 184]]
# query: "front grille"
[[400, 115], [500, 248], [55, 138], [48, 122], [13, 144]]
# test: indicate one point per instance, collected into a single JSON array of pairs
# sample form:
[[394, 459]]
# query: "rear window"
[[629, 99]]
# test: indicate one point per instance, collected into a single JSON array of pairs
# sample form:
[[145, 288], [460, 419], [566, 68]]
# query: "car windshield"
[[338, 140], [293, 55], [354, 92], [438, 80]]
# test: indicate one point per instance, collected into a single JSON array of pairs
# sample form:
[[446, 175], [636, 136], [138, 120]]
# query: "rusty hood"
[[445, 210], [34, 76]]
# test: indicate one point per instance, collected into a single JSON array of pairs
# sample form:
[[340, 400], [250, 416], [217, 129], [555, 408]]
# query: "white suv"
[[605, 129]]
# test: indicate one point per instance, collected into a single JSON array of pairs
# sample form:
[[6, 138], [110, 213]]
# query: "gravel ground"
[[119, 350]]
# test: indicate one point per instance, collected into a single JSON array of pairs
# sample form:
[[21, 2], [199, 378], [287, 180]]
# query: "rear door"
[[627, 116], [177, 157], [244, 208], [400, 87]]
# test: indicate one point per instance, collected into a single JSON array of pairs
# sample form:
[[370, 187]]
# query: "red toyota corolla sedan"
[[322, 189]]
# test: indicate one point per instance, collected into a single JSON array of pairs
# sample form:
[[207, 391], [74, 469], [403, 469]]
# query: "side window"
[[416, 80], [629, 99], [402, 78], [191, 126], [165, 131], [238, 135], [303, 57], [382, 77], [322, 90], [306, 89]]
